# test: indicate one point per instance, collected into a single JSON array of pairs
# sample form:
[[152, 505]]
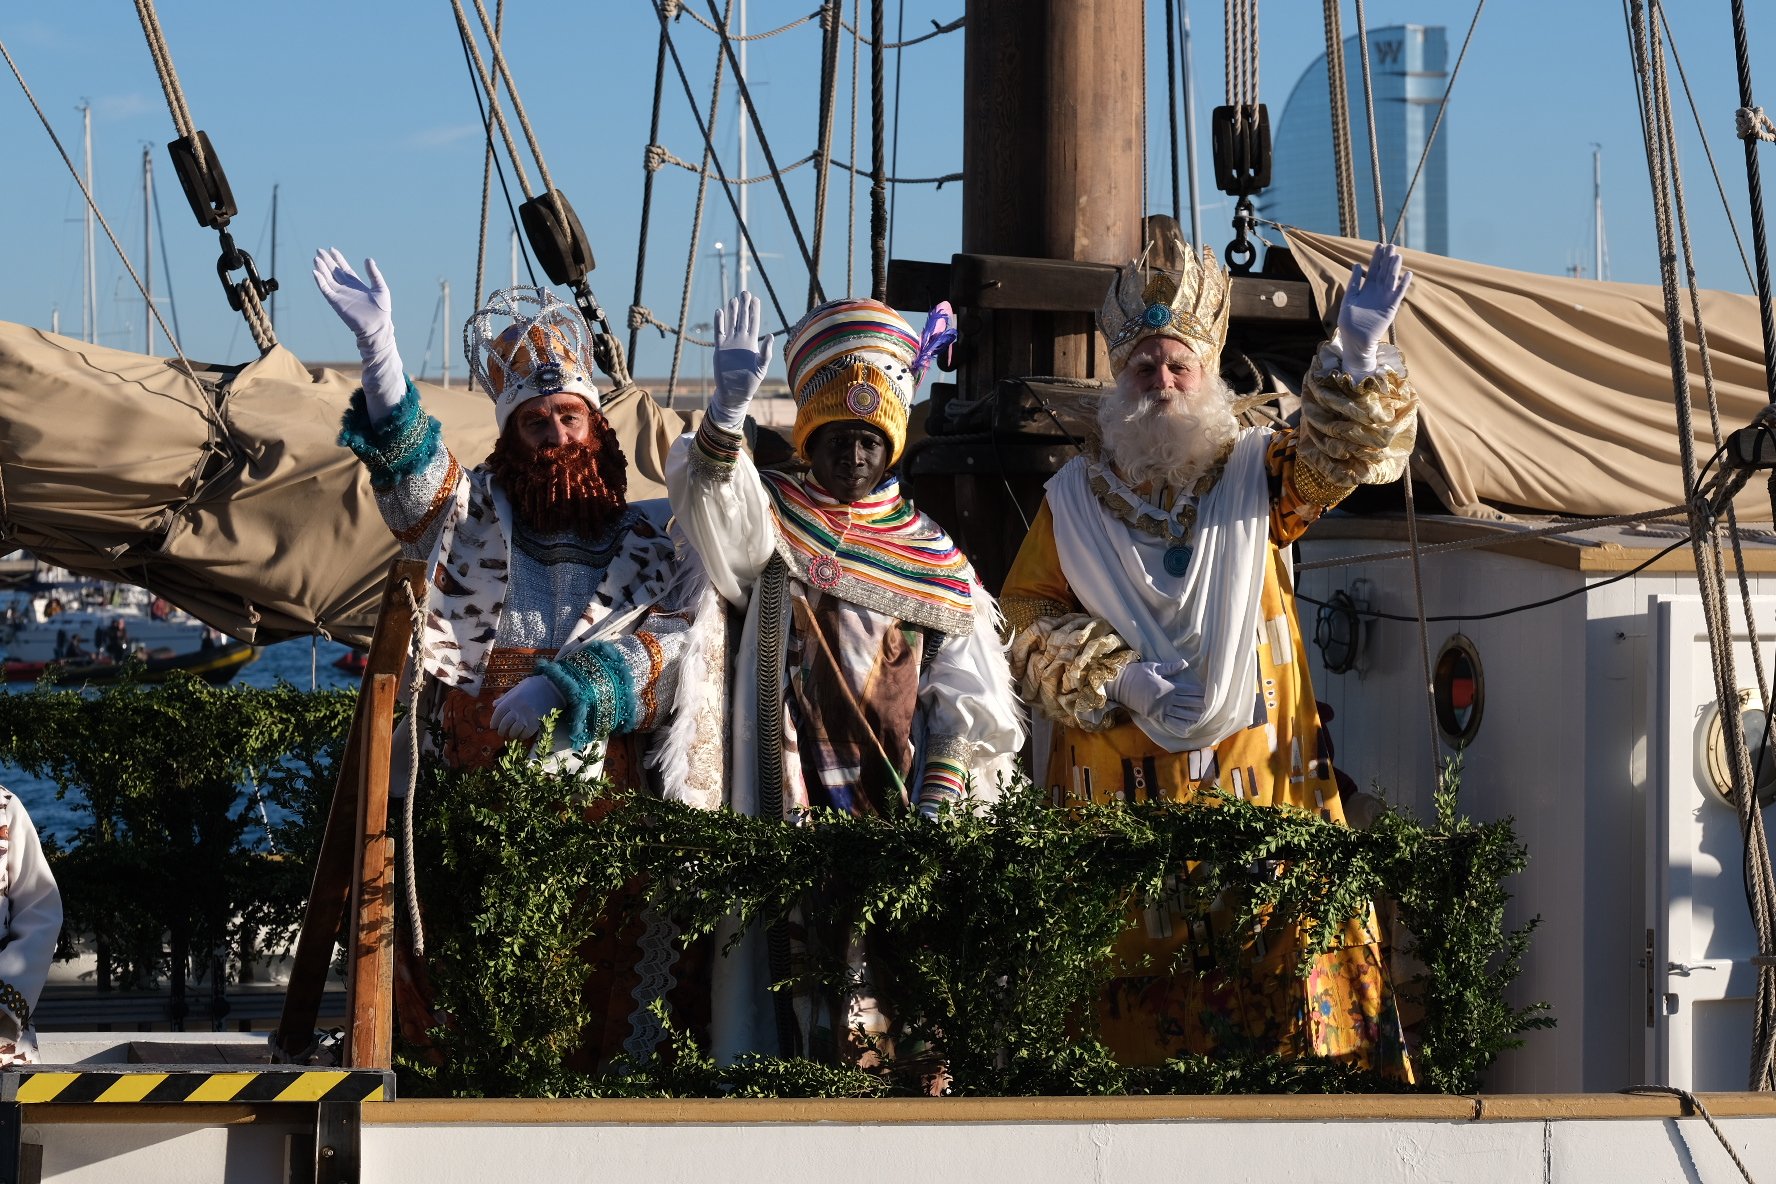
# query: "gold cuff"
[[1316, 488]]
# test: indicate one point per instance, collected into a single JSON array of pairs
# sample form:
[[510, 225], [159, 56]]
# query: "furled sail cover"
[[229, 495], [1553, 395]]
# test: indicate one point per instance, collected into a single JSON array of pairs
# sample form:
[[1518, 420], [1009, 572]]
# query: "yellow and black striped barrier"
[[150, 1083]]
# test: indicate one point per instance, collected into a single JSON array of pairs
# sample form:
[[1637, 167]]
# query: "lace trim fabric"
[[1064, 666], [1357, 433]]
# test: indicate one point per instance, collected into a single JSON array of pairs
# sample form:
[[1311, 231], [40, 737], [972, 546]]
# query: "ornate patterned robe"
[[1065, 657], [876, 683]]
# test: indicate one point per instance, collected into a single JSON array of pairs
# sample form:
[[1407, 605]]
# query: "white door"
[[1700, 981]]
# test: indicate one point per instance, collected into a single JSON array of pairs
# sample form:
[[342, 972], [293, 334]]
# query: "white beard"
[[1172, 443]]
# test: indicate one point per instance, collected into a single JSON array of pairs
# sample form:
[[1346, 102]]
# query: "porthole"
[[1459, 691], [1719, 764]]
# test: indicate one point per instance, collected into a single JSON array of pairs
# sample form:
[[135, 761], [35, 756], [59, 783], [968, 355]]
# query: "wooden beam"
[[338, 862], [370, 983]]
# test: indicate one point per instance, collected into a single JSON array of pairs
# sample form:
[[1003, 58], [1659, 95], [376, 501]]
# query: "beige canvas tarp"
[[233, 498], [1553, 395]]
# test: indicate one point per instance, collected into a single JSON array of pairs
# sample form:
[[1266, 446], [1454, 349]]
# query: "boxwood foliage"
[[1005, 918], [174, 864]]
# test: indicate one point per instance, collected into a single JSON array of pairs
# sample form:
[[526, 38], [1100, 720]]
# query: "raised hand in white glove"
[[366, 310], [1371, 301], [742, 356], [519, 712]]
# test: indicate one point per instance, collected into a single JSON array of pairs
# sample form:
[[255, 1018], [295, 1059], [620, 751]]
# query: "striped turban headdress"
[[858, 359]]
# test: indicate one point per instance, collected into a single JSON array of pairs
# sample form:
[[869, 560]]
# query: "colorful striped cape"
[[891, 558]]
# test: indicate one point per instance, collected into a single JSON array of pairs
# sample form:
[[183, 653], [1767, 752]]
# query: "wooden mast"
[[1053, 94]]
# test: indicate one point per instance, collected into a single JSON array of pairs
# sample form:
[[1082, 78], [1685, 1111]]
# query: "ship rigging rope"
[[1673, 231], [251, 307], [472, 48], [704, 130], [1381, 230], [415, 643], [1702, 135], [829, 98], [1695, 1103], [764, 143], [489, 159], [1437, 124], [851, 177], [1241, 64], [684, 296], [937, 30], [1338, 90], [205, 399], [879, 152], [647, 195], [493, 155], [1554, 530]]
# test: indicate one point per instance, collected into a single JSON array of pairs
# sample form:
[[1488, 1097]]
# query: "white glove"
[[365, 308], [519, 712], [741, 358], [1152, 689], [1371, 301]]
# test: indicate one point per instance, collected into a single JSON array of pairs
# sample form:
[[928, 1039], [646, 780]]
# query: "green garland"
[[1010, 915]]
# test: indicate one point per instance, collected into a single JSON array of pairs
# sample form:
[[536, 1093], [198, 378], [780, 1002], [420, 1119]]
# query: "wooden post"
[[1053, 99], [370, 963], [355, 860]]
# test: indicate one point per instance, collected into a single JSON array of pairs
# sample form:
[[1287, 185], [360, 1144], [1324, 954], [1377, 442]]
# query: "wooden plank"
[[371, 978], [917, 285], [335, 865], [1061, 285]]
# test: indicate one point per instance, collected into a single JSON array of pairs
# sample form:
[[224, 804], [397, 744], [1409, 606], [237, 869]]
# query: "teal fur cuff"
[[399, 446], [599, 690]]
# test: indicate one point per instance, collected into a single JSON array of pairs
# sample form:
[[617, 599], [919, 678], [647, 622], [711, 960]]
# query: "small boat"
[[352, 661], [216, 664]]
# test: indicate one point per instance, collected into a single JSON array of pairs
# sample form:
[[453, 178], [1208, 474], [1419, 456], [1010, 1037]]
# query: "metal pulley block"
[[557, 238], [1241, 140], [205, 184]]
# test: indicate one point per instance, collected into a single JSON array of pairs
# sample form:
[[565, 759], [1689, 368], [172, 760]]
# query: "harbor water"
[[302, 663]]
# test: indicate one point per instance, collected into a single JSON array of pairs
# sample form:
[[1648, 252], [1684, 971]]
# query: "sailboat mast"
[[89, 301], [740, 126], [1196, 226], [1597, 211], [514, 282], [147, 252], [272, 312], [446, 284]]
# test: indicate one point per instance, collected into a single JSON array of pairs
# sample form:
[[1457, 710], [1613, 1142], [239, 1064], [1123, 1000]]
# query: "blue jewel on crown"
[[1157, 315], [548, 378]]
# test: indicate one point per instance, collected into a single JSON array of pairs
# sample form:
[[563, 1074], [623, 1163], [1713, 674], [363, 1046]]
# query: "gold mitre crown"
[[1190, 306]]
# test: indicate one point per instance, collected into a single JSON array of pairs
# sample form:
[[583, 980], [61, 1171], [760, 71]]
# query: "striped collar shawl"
[[893, 559]]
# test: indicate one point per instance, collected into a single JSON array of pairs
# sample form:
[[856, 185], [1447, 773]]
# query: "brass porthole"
[[1719, 763], [1458, 686]]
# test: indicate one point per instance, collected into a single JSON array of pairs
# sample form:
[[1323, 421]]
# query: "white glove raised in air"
[[741, 358], [1371, 301], [1152, 689], [519, 712], [366, 310]]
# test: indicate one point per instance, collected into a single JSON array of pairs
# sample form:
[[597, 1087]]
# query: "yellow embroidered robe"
[[1344, 1009]]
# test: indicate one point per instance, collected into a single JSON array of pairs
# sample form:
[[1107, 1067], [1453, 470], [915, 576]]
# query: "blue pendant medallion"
[[1177, 559]]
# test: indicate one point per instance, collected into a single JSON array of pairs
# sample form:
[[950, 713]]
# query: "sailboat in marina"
[[1589, 710]]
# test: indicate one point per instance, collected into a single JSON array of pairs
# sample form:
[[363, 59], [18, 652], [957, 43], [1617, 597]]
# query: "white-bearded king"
[[1154, 625]]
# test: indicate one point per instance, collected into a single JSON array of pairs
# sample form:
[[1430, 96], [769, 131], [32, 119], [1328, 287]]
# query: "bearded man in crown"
[[547, 590], [869, 676], [1155, 627]]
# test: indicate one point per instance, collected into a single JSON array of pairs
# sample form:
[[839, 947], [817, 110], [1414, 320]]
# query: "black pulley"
[[560, 247], [205, 184], [1242, 149]]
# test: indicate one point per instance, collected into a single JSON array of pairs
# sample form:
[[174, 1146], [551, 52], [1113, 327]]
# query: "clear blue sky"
[[362, 114]]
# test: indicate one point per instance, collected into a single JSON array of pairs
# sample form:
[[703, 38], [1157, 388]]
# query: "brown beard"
[[577, 487]]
